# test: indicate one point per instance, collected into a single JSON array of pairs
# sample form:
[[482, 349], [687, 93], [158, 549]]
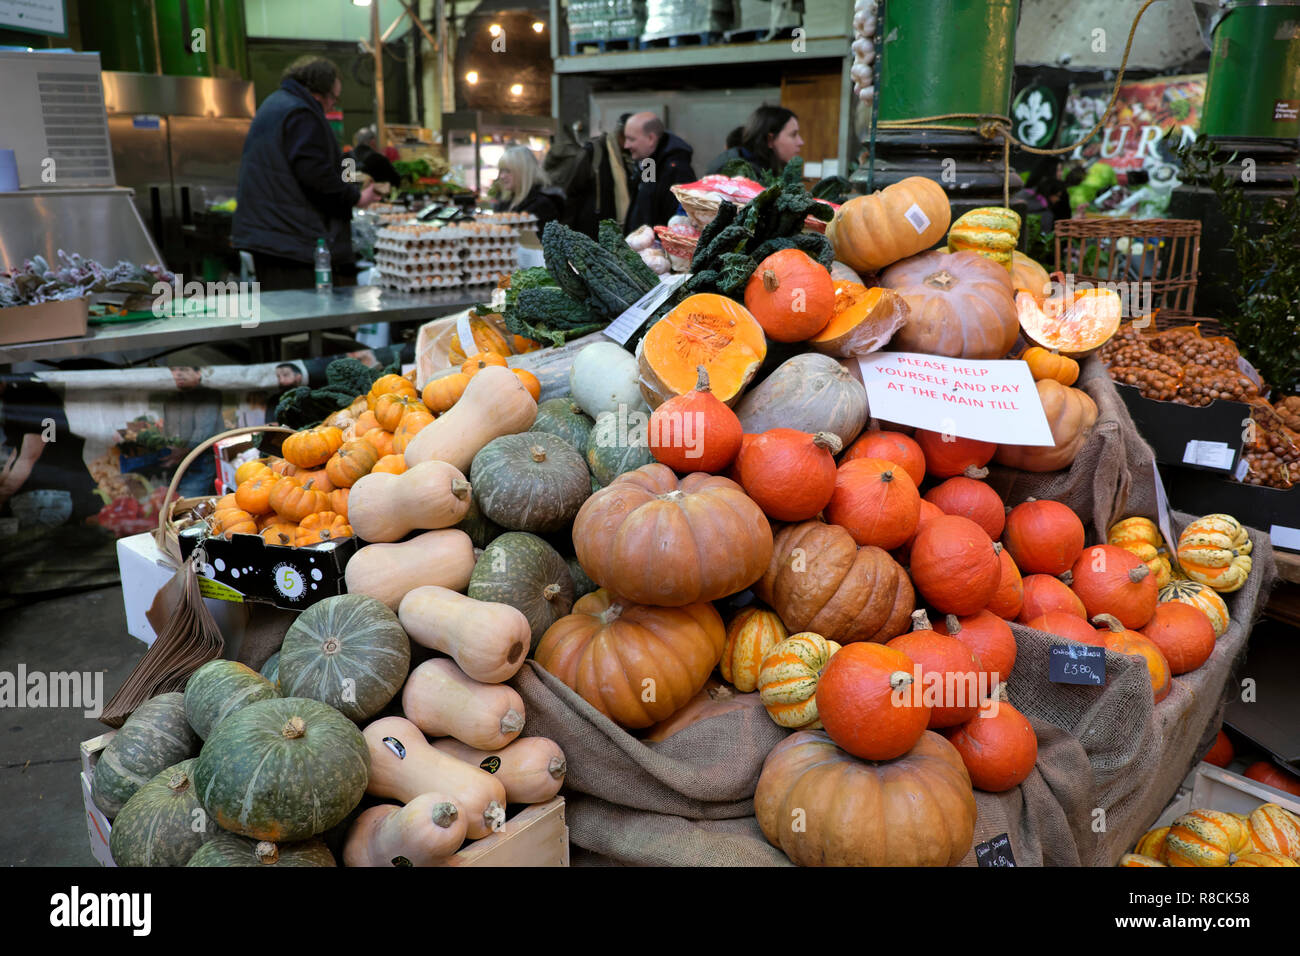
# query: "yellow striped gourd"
[[990, 231], [787, 681]]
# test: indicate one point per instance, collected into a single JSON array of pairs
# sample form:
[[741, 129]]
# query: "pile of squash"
[[1267, 836]]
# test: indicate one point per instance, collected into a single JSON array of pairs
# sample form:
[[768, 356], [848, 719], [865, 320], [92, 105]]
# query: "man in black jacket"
[[293, 187], [660, 160]]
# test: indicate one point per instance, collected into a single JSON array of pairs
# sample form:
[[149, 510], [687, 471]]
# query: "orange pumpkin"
[[705, 329], [1043, 537], [954, 566], [998, 747], [351, 463], [1076, 325], [382, 442], [444, 392], [791, 474], [1116, 637], [319, 478], [989, 637], [254, 495], [948, 672], [230, 521], [1110, 580], [1045, 364], [1183, 634], [950, 455], [871, 232], [1071, 414], [903, 553], [1222, 752], [390, 408], [868, 703], [280, 533], [312, 447], [252, 469], [972, 499], [1043, 594], [531, 382], [1009, 598], [1272, 776], [338, 501], [365, 422], [901, 449], [293, 499], [862, 321], [227, 501], [390, 465], [876, 502], [410, 426], [791, 295], [695, 431], [321, 526], [481, 360], [388, 384], [1065, 624]]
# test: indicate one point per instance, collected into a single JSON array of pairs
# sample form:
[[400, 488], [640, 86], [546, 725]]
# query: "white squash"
[[605, 376]]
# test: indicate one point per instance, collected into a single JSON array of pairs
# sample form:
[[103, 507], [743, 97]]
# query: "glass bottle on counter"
[[324, 268]]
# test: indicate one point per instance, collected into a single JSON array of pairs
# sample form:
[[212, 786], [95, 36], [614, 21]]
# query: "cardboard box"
[[1275, 510], [537, 836], [48, 320], [97, 825], [1208, 437], [144, 568], [1209, 787], [227, 451], [246, 568]]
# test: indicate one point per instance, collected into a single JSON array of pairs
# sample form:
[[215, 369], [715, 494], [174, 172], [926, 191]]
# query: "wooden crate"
[[536, 837], [1208, 787]]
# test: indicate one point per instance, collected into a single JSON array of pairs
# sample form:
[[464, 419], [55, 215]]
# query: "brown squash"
[[959, 304]]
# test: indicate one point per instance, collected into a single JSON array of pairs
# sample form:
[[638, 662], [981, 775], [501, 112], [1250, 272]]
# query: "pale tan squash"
[[403, 766], [488, 640], [531, 769], [495, 403], [424, 832], [443, 702], [387, 572], [384, 507]]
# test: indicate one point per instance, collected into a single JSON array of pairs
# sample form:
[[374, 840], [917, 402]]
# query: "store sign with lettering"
[[987, 400]]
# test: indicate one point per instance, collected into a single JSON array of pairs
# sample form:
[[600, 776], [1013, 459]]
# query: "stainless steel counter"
[[280, 313]]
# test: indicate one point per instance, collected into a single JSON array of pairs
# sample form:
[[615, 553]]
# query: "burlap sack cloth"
[[1108, 761]]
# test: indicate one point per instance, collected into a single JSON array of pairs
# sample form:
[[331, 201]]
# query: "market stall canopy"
[[1090, 34]]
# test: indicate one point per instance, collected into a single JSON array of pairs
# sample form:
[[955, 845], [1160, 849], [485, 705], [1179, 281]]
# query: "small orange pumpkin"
[[1116, 637], [481, 360], [351, 463], [390, 465], [252, 469], [365, 422], [228, 521], [254, 495], [279, 532], [295, 499], [876, 501], [389, 384], [531, 382], [1047, 364], [227, 501], [442, 393], [390, 408], [338, 499], [321, 526], [312, 447], [412, 422], [791, 295], [381, 441]]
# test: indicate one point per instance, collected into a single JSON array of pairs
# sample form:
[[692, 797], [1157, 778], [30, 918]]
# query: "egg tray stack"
[[418, 258]]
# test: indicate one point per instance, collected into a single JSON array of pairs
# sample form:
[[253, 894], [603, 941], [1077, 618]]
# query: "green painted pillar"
[[1253, 87], [121, 32], [183, 52], [230, 48]]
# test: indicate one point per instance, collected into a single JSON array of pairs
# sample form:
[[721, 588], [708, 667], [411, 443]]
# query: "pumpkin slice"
[[705, 329], [1075, 329], [864, 320]]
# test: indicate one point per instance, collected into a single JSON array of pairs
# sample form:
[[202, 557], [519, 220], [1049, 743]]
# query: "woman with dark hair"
[[769, 141]]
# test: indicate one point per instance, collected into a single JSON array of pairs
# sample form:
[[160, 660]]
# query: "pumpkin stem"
[[267, 852], [443, 814], [611, 614], [1138, 573], [460, 487], [770, 280], [673, 495], [1110, 622], [551, 592], [828, 440], [954, 625], [997, 547], [899, 679], [512, 722], [702, 379], [557, 768], [977, 472], [294, 728], [943, 279], [887, 475], [330, 645], [921, 620], [538, 453], [1066, 578], [178, 781], [721, 693]]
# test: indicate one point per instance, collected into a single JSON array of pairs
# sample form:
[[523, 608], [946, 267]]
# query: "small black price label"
[[1078, 664], [996, 852]]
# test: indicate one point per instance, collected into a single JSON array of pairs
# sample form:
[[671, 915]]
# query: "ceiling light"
[[517, 89], [538, 26], [495, 29], [471, 77], [361, 3]]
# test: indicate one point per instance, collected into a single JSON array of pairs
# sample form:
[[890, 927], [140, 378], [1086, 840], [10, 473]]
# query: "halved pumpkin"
[[705, 329], [864, 320], [1075, 328]]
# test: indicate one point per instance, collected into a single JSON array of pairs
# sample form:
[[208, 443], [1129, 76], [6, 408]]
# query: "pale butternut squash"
[[495, 403], [488, 640], [424, 832], [443, 702], [387, 572], [531, 769], [384, 507], [403, 766]]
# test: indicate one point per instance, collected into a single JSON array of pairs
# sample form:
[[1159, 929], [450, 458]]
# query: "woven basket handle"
[[164, 513]]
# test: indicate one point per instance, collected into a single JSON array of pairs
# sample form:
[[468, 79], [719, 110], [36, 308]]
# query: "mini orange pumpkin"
[[312, 447], [531, 382], [481, 360], [321, 526], [381, 441], [1047, 364], [389, 384], [442, 393], [254, 495], [279, 532], [365, 422], [352, 462], [390, 465], [339, 501], [252, 469], [295, 500], [390, 408], [412, 422], [228, 521], [791, 295]]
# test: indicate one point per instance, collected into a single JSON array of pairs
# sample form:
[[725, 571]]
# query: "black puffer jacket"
[[653, 203]]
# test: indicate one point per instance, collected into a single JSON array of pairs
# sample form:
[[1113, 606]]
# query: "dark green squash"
[[525, 572], [221, 688], [482, 531], [582, 584], [282, 770], [227, 849], [153, 738], [564, 417], [616, 446], [163, 824], [348, 651], [533, 481]]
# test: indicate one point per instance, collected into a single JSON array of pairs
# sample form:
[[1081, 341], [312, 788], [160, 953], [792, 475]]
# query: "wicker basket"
[[1169, 260]]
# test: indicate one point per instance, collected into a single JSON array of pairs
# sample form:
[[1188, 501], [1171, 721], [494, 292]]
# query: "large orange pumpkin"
[[954, 565], [791, 295], [959, 304], [791, 474], [655, 539], [1110, 580], [904, 218], [1043, 537], [636, 664], [876, 502], [870, 703], [1071, 413]]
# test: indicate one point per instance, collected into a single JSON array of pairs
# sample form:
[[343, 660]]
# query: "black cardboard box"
[[1274, 510], [1170, 428], [246, 568]]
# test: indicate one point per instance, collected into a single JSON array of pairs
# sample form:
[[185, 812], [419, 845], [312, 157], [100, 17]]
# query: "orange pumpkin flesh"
[[1076, 328], [1110, 580], [1009, 598], [971, 499], [1116, 637], [790, 473], [867, 703], [863, 320], [695, 431], [998, 747], [954, 566], [1043, 537], [949, 672], [1043, 594], [1183, 634], [901, 449], [705, 329], [791, 296]]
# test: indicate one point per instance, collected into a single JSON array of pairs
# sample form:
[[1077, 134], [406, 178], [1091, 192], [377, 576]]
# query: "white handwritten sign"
[[987, 400]]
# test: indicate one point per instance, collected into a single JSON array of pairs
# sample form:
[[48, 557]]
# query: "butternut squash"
[[531, 769], [426, 831], [442, 701], [488, 640], [403, 766], [387, 572], [384, 507], [495, 403]]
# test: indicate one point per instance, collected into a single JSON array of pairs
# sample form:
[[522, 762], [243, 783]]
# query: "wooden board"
[[814, 97], [536, 837], [1288, 566]]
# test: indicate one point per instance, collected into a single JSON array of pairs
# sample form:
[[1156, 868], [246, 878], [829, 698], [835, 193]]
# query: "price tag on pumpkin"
[[995, 852], [623, 327], [1077, 664]]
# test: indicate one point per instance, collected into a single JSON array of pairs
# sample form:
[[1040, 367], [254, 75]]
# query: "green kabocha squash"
[[533, 481], [481, 529], [227, 849], [348, 651], [163, 824], [221, 688], [565, 418], [582, 584], [271, 670], [618, 444], [525, 572], [153, 738], [282, 770]]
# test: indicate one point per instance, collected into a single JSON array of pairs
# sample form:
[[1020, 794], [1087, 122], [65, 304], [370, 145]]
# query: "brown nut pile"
[[1288, 409], [1203, 384]]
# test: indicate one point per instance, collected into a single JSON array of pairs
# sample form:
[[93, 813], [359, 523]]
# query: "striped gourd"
[[991, 231], [1136, 859], [1152, 843], [1274, 830], [282, 770], [787, 681], [163, 824], [1215, 550], [348, 651], [220, 688], [227, 849], [751, 634], [1141, 537], [1205, 838], [1265, 859], [153, 738], [1202, 597]]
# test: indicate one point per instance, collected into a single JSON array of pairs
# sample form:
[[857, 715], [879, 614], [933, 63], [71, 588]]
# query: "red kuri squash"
[[890, 446], [1065, 624], [998, 747], [1010, 595], [791, 474], [948, 672], [695, 431], [791, 295], [1183, 634], [1044, 537], [971, 499], [867, 703], [949, 455], [1110, 580], [1116, 637], [876, 502], [1044, 594], [954, 565], [989, 637]]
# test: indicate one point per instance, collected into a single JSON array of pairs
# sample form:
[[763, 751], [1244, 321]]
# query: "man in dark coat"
[[660, 160], [293, 186]]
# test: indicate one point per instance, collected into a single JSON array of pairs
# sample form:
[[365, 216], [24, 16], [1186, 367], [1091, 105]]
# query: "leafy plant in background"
[[1266, 325], [1039, 245]]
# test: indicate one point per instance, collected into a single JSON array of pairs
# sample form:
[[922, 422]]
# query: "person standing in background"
[[524, 187], [769, 140], [660, 161], [370, 161], [292, 188], [193, 414]]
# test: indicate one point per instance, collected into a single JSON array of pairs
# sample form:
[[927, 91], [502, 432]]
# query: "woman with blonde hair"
[[524, 187]]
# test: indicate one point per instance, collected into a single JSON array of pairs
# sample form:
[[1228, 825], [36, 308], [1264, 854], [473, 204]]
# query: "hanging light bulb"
[[538, 26], [517, 89], [495, 29], [471, 77]]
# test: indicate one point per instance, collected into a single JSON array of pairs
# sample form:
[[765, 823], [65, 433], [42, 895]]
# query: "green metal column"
[[1253, 88], [121, 32], [177, 21], [946, 56], [230, 46]]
